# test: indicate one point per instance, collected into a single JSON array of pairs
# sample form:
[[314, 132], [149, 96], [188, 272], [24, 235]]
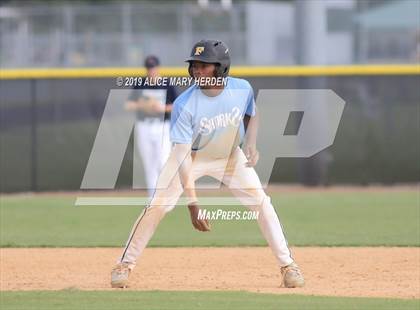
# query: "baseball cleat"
[[292, 276], [119, 275]]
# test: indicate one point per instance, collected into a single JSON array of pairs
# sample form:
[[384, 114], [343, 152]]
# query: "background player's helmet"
[[211, 51]]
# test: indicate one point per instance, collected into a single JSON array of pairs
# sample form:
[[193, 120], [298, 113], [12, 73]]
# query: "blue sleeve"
[[181, 124], [250, 105]]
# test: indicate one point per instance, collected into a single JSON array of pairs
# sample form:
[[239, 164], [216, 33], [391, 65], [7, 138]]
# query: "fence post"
[[34, 142]]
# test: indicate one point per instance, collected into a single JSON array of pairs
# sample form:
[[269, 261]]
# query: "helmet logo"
[[198, 50]]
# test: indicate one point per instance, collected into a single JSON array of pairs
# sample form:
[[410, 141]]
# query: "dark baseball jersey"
[[163, 94]]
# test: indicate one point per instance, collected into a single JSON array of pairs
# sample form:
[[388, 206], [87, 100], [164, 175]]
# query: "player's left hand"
[[157, 107], [152, 107], [252, 155], [199, 224]]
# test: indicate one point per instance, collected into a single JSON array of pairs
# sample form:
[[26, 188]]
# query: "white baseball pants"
[[154, 146], [243, 182]]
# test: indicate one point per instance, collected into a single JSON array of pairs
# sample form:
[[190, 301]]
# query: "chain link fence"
[[122, 33]]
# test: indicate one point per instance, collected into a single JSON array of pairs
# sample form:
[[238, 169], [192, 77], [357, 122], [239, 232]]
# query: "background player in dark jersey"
[[153, 105]]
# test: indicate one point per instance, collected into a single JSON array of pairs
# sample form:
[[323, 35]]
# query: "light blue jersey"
[[198, 119]]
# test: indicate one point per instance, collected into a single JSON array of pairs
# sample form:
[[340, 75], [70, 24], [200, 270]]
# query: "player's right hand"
[[152, 107], [131, 106], [199, 224]]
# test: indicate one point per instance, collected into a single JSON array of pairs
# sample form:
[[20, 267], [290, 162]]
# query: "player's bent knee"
[[163, 209], [251, 201], [255, 203], [162, 204]]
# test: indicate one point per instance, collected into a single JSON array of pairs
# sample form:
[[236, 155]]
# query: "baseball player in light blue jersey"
[[208, 125]]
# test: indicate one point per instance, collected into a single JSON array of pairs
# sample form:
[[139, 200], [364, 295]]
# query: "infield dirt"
[[343, 271]]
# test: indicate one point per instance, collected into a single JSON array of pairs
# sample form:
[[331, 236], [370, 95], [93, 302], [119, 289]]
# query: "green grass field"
[[310, 219], [160, 300]]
